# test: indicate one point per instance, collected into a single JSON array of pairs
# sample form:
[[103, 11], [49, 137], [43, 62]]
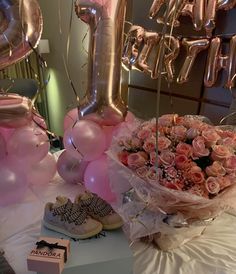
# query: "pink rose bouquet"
[[179, 166]]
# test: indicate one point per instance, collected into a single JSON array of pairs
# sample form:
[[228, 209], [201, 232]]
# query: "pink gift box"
[[50, 256]]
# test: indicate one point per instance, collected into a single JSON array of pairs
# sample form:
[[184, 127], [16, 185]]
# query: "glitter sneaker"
[[70, 219], [99, 210]]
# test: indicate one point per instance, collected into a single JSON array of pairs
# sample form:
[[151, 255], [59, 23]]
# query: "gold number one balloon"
[[106, 20]]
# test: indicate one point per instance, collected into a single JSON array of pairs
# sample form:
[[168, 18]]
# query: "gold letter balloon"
[[106, 22], [20, 29]]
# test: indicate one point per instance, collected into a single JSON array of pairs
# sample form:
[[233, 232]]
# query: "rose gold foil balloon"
[[141, 44], [175, 9], [193, 48], [15, 110], [217, 61], [172, 46], [226, 4], [20, 24], [133, 46], [196, 10], [105, 19]]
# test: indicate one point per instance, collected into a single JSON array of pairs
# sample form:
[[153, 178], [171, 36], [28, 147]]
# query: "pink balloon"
[[28, 144], [6, 132], [69, 145], [38, 121], [96, 179], [108, 131], [71, 169], [3, 146], [71, 118], [41, 173], [13, 183], [129, 117], [89, 139]]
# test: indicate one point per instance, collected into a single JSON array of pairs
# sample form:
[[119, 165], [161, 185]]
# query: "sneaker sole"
[[113, 226], [75, 236]]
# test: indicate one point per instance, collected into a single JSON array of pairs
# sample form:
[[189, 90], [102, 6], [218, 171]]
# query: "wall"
[[60, 95]]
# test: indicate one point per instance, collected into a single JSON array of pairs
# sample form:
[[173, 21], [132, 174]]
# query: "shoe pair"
[[84, 218]]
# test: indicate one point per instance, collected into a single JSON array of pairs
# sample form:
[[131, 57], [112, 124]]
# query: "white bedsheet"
[[213, 253]]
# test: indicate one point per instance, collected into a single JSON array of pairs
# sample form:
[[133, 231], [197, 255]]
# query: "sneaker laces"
[[71, 213], [96, 205]]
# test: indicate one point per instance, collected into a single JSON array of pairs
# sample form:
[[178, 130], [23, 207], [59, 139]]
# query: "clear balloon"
[[96, 179], [28, 144], [106, 23], [71, 169], [14, 41], [13, 183], [41, 173], [88, 139], [3, 146]]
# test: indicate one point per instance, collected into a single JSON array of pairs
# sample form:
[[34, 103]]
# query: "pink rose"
[[153, 158], [216, 169], [163, 143], [197, 177], [199, 148], [194, 168], [199, 190], [192, 133], [225, 133], [171, 172], [220, 153], [167, 119], [142, 171], [178, 133], [129, 143], [123, 157], [228, 142], [195, 123], [211, 137], [144, 134], [226, 181], [184, 149], [172, 185], [230, 164], [167, 158], [150, 145], [212, 185], [154, 176], [135, 143], [182, 161], [136, 160]]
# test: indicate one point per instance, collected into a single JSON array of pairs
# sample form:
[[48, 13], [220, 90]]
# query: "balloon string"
[[161, 54], [66, 59]]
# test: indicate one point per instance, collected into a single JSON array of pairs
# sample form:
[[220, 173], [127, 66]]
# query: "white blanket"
[[212, 253]]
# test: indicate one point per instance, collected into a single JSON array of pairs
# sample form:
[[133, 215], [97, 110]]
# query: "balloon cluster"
[[84, 159], [24, 148]]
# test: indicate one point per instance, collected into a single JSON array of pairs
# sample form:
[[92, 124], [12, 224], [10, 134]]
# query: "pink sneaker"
[[70, 219], [99, 210]]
